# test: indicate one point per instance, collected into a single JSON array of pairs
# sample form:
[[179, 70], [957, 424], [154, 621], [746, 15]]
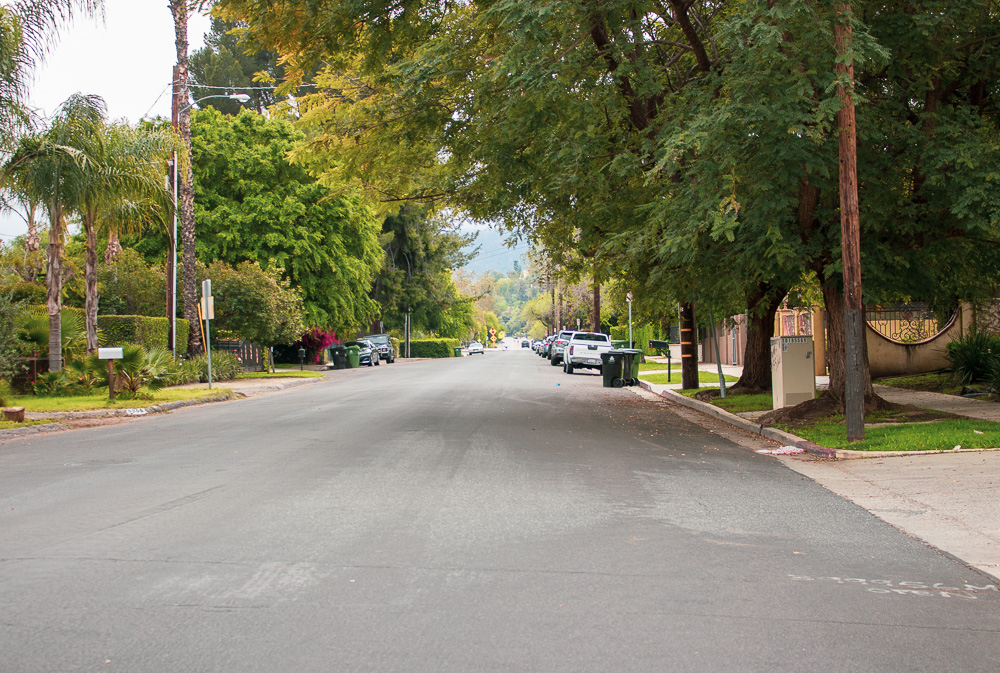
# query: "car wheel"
[[378, 362], [568, 368], [554, 362], [370, 362]]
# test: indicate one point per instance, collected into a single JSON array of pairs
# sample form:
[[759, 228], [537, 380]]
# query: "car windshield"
[[591, 337], [379, 338], [362, 344], [475, 343]]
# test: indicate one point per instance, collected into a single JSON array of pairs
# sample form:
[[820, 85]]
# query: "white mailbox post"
[[793, 378], [110, 354]]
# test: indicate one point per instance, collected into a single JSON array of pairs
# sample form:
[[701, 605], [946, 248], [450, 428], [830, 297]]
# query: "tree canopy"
[[691, 143], [252, 204]]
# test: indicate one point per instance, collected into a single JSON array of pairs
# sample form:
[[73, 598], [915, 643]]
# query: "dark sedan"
[[369, 351]]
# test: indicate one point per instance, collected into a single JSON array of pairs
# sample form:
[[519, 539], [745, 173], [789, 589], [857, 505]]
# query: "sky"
[[127, 60]]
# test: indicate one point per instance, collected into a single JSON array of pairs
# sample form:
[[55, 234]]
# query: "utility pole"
[[171, 310], [850, 229]]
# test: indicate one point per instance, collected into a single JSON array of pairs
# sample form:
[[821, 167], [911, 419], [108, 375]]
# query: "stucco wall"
[[888, 358]]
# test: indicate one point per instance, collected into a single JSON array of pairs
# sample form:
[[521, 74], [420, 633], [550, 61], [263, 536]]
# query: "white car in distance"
[[476, 347]]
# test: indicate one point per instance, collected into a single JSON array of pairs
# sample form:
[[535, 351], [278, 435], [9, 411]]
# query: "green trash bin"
[[458, 351], [630, 366], [353, 357]]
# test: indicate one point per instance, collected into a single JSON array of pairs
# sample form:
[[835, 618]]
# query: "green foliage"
[[6, 394], [118, 330], [420, 252], [10, 346], [252, 204], [140, 368], [33, 327], [130, 286], [975, 355], [641, 334], [256, 305], [225, 366], [433, 348]]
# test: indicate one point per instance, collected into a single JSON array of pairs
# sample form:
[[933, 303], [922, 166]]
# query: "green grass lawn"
[[936, 436], [648, 365], [282, 374], [703, 377], [85, 402], [939, 382], [739, 403]]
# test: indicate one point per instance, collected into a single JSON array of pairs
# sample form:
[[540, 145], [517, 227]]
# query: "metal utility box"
[[793, 379]]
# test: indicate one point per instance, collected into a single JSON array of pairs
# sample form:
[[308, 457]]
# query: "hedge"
[[641, 334], [118, 330], [149, 332], [433, 348]]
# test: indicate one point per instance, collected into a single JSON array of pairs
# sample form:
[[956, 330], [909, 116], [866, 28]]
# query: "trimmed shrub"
[[641, 334], [433, 348], [225, 367], [148, 332]]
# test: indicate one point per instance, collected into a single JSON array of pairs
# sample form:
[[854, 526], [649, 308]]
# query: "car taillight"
[[570, 350]]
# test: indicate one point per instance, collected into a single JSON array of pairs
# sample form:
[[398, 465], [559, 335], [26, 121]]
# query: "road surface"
[[473, 514]]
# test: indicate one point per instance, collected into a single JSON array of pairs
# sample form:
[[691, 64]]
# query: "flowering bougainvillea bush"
[[315, 341]]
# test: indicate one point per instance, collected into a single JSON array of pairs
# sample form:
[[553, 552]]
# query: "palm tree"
[[28, 29], [123, 190], [51, 168]]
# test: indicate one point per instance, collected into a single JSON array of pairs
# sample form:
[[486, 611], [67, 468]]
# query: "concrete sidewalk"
[[948, 500]]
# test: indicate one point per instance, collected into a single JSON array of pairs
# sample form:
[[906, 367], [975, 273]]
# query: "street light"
[[172, 281]]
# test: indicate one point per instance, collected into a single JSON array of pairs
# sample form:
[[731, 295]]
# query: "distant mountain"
[[494, 255]]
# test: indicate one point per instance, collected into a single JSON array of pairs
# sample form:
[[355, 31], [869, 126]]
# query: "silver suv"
[[558, 344], [386, 352]]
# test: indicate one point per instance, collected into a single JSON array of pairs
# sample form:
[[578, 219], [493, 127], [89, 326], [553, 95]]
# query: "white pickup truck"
[[584, 350]]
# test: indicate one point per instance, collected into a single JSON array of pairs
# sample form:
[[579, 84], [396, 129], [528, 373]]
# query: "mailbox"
[[109, 353], [793, 377]]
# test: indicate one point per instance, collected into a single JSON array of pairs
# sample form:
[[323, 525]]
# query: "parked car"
[[386, 352], [369, 351], [545, 349], [584, 350], [476, 347], [525, 343], [536, 344], [558, 344]]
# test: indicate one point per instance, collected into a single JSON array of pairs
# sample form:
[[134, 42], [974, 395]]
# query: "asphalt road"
[[488, 513]]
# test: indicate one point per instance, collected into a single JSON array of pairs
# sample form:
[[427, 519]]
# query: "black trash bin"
[[338, 356], [612, 363]]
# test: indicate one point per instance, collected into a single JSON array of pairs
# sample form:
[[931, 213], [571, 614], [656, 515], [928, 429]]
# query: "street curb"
[[130, 412], [13, 433], [787, 438]]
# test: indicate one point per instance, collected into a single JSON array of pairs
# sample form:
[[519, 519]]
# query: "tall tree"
[[50, 168], [181, 118], [121, 188]]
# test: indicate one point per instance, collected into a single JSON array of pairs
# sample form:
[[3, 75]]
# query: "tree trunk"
[[835, 349], [689, 348], [90, 280], [760, 328], [114, 247], [596, 322], [53, 288], [180, 10]]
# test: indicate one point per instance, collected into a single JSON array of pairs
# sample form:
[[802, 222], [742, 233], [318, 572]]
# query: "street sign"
[[628, 297], [109, 354]]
